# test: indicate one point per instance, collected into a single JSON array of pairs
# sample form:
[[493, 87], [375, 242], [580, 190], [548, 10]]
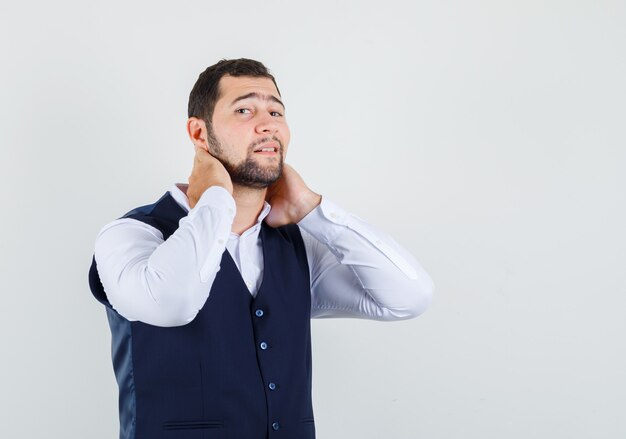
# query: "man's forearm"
[[359, 271], [165, 283]]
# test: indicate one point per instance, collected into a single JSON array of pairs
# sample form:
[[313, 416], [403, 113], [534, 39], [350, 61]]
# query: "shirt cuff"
[[211, 221], [218, 198], [322, 221], [327, 221]]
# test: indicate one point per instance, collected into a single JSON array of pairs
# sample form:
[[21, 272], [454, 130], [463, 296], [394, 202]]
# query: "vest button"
[[275, 426], [272, 386], [263, 345], [259, 313]]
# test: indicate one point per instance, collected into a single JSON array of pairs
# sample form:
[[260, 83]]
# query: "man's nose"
[[266, 124]]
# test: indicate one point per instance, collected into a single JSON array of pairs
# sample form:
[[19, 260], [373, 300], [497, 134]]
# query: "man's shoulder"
[[164, 214]]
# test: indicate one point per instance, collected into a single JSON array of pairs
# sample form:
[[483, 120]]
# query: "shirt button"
[[333, 215], [263, 345], [272, 386], [275, 426], [230, 210], [258, 313], [221, 241]]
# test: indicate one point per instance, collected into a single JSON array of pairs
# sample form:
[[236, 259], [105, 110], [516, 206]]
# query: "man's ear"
[[196, 129]]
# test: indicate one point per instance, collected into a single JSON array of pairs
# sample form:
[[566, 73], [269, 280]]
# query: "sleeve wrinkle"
[[357, 270], [157, 281]]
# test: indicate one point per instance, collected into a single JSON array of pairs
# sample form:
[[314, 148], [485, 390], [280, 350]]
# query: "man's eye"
[[275, 113], [243, 111]]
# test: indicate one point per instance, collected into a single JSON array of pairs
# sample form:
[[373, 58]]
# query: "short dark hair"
[[205, 92]]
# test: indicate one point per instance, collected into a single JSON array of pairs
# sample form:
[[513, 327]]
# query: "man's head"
[[234, 110]]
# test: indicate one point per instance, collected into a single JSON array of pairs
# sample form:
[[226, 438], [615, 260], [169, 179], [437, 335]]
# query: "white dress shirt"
[[355, 269]]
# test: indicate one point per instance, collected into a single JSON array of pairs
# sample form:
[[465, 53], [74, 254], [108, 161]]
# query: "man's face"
[[248, 116]]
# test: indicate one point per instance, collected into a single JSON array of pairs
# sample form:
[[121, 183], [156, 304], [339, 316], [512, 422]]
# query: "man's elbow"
[[159, 307], [165, 314], [419, 295], [174, 311], [169, 305], [423, 296], [171, 319]]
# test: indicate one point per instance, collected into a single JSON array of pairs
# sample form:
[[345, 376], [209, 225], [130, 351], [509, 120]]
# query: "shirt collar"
[[178, 192]]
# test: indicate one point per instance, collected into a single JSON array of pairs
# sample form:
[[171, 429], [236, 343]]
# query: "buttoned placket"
[[245, 245]]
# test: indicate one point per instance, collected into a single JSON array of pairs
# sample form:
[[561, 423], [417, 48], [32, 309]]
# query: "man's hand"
[[290, 198], [207, 171]]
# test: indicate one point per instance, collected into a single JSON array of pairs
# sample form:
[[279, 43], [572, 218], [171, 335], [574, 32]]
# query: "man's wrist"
[[219, 197], [309, 202]]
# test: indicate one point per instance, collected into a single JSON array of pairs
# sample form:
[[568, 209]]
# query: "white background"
[[488, 137]]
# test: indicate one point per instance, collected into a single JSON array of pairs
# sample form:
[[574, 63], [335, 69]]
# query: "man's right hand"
[[207, 171]]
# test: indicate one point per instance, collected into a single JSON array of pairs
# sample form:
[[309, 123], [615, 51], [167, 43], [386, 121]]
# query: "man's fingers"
[[202, 154], [199, 150]]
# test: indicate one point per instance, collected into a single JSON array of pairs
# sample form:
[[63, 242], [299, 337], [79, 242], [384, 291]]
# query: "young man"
[[209, 291]]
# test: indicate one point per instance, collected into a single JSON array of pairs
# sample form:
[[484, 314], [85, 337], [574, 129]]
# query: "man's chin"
[[255, 174], [254, 182]]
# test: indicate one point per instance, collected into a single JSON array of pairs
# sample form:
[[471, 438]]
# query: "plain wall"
[[487, 137]]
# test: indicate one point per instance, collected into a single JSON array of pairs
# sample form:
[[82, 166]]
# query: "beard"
[[248, 173]]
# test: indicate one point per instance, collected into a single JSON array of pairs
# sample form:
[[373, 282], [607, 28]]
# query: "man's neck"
[[249, 203]]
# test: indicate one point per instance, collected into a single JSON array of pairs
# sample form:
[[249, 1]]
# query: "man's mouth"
[[267, 149]]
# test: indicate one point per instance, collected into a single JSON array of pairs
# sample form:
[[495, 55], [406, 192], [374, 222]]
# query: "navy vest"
[[241, 369]]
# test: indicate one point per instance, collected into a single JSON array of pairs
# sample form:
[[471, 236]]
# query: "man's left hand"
[[290, 198]]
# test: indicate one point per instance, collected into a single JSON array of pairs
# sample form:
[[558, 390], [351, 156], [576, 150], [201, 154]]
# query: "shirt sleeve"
[[359, 271], [165, 283]]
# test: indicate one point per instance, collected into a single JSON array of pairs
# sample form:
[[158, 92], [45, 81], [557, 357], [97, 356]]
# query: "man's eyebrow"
[[258, 96]]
